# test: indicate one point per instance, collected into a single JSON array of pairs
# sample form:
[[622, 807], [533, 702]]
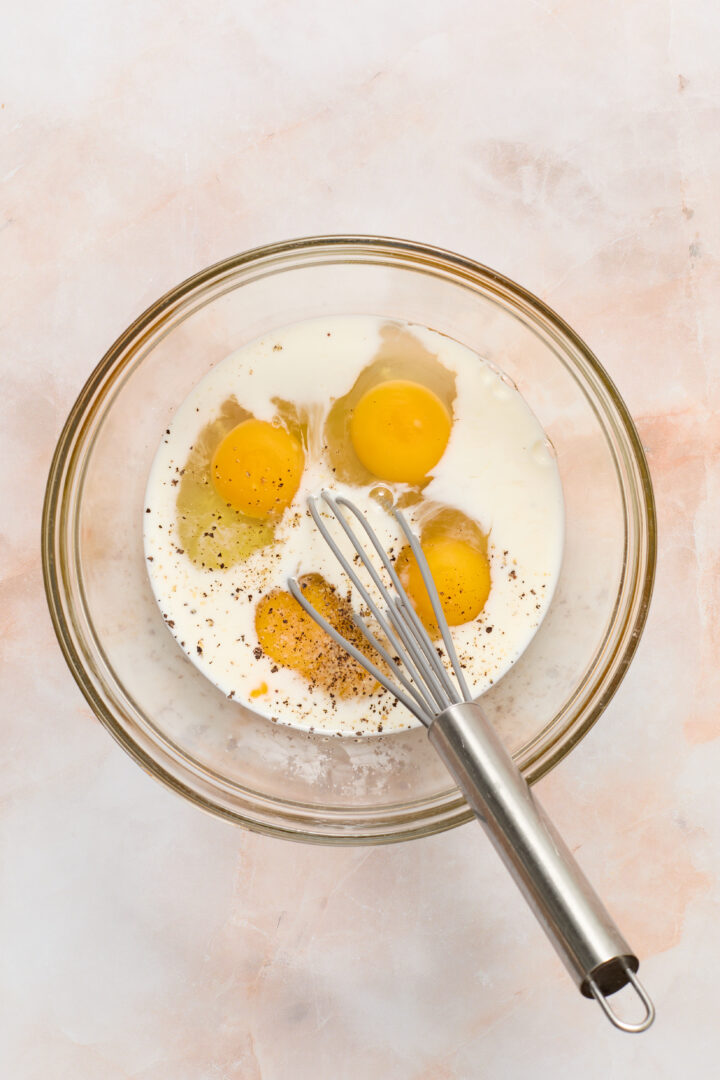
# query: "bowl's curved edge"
[[458, 813]]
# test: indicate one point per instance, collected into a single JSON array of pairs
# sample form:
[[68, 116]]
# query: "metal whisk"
[[569, 910]]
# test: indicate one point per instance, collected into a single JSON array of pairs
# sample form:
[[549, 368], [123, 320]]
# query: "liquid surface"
[[386, 414]]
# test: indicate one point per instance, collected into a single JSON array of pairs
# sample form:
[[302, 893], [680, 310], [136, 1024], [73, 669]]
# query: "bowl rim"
[[454, 812]]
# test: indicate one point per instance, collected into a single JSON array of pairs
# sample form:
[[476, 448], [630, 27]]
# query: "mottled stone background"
[[572, 146]]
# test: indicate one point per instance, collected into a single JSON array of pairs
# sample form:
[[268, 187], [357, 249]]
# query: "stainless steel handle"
[[594, 951]]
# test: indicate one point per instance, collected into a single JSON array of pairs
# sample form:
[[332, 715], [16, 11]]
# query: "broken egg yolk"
[[399, 430], [289, 636], [461, 573], [257, 469]]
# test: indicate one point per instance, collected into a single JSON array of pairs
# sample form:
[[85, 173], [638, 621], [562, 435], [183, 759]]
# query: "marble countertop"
[[571, 146]]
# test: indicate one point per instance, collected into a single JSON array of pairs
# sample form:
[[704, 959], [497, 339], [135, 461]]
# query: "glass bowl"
[[217, 753]]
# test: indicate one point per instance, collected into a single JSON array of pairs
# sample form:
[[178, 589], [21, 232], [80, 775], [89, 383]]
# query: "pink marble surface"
[[572, 146]]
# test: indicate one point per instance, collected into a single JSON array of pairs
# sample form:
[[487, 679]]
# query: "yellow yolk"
[[399, 430], [259, 690], [289, 636], [257, 469], [461, 574]]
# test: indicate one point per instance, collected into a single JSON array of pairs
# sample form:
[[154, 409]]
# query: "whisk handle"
[[596, 954]]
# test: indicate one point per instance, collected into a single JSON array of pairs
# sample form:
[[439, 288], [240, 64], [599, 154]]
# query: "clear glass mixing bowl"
[[163, 711]]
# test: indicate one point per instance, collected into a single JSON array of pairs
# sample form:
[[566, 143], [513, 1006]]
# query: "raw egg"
[[399, 430], [257, 469], [288, 635], [461, 573]]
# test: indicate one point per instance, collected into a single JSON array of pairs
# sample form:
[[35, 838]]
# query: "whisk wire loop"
[[403, 598], [412, 659], [362, 659], [386, 628]]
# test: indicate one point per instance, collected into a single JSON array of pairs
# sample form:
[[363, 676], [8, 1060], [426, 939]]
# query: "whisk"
[[567, 907]]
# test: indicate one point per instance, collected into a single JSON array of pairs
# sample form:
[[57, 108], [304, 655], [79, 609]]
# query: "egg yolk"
[[257, 469], [289, 636], [399, 431], [461, 574]]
